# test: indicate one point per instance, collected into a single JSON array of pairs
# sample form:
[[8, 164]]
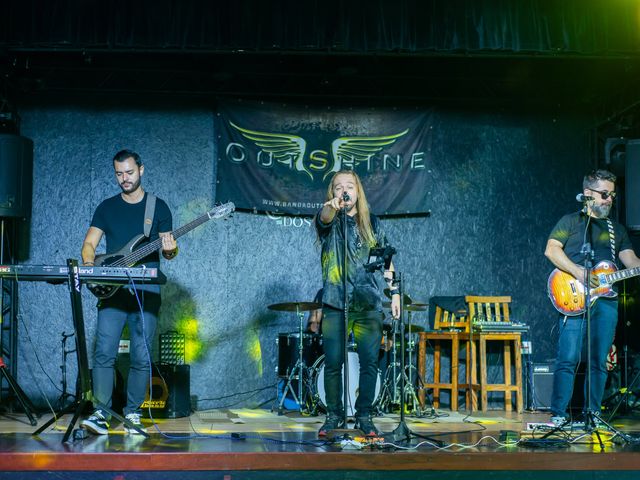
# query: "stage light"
[[172, 348]]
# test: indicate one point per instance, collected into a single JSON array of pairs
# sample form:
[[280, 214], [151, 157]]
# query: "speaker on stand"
[[16, 171]]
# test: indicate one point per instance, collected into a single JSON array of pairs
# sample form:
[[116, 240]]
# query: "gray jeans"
[[113, 314]]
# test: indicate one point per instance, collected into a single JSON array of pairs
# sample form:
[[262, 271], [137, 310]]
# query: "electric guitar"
[[128, 256], [567, 293]]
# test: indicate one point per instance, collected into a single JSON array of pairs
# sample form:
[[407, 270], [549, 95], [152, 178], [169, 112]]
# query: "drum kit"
[[301, 364]]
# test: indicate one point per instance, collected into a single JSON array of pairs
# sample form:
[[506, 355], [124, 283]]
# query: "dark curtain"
[[543, 26]]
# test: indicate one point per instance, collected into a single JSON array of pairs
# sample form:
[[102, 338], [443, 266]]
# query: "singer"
[[346, 202], [609, 241]]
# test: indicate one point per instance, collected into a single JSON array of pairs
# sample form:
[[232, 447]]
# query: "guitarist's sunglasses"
[[604, 194]]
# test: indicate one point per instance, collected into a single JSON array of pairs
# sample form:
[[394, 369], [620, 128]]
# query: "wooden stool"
[[450, 327], [496, 309]]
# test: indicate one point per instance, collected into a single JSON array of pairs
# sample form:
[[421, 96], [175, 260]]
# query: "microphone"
[[583, 198], [345, 197]]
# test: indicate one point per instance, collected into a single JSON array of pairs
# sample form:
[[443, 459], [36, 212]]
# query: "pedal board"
[[547, 426]]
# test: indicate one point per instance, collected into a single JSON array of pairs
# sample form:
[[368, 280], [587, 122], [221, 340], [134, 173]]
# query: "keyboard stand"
[[86, 397]]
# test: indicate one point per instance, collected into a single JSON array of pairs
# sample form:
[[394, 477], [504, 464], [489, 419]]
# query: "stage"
[[244, 443]]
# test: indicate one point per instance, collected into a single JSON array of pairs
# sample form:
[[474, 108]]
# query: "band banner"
[[280, 158]]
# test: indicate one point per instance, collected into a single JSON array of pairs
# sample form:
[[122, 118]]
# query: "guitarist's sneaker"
[[134, 419], [97, 423]]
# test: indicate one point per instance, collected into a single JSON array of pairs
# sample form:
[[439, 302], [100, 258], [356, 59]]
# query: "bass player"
[[120, 218]]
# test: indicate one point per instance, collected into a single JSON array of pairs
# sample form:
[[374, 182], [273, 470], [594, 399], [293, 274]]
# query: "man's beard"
[[601, 211], [133, 187]]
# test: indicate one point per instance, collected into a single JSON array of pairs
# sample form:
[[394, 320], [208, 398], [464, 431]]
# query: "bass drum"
[[354, 372]]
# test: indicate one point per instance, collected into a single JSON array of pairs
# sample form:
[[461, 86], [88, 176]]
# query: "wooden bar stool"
[[451, 327], [496, 309]]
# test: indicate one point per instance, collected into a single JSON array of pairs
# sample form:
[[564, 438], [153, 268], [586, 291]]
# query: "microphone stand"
[[345, 306]]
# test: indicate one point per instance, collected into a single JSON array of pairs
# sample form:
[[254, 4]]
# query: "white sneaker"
[[97, 423], [559, 421], [134, 419]]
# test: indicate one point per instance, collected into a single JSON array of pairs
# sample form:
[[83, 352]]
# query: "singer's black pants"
[[367, 330]]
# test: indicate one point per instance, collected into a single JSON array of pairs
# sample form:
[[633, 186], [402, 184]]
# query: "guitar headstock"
[[222, 211]]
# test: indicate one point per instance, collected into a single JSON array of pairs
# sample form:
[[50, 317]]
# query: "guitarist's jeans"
[[572, 351], [113, 314]]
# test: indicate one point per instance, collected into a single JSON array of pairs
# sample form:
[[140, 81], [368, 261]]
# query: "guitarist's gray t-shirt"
[[570, 232], [121, 222]]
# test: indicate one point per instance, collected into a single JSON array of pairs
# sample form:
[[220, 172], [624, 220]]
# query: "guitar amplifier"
[[540, 389]]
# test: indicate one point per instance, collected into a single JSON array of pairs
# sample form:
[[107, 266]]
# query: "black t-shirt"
[[570, 232], [121, 221], [362, 288]]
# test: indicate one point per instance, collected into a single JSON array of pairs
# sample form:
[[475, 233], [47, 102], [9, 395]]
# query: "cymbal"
[[295, 306]]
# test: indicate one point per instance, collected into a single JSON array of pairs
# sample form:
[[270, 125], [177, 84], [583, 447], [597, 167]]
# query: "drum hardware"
[[390, 395], [300, 371]]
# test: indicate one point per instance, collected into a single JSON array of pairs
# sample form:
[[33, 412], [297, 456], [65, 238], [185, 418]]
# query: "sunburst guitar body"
[[567, 293]]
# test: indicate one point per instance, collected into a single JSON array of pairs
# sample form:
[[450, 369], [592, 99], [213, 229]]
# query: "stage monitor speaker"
[[170, 392], [632, 184], [541, 388], [16, 172]]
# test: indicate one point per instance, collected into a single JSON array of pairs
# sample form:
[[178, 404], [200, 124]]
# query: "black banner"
[[280, 158]]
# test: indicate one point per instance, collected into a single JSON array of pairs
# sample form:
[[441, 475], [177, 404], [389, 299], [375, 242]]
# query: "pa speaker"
[[632, 184], [169, 395], [16, 172]]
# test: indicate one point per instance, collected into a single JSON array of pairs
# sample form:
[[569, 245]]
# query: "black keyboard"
[[92, 274]]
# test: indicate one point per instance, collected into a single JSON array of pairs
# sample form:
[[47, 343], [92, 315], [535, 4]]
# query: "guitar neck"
[[623, 274], [151, 247]]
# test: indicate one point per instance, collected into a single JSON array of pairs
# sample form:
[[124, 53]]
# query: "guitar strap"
[[612, 240], [149, 211]]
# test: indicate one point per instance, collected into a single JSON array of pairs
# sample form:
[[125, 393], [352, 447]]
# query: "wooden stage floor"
[[243, 443]]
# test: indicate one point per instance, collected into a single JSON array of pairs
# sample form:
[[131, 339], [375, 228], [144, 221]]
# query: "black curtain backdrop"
[[592, 27]]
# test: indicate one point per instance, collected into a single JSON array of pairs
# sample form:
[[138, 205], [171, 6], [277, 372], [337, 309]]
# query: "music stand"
[[86, 395]]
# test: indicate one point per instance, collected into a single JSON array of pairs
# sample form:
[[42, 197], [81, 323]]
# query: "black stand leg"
[[83, 363], [25, 402]]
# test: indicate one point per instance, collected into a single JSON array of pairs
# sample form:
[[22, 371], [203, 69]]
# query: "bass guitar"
[[128, 255], [567, 293]]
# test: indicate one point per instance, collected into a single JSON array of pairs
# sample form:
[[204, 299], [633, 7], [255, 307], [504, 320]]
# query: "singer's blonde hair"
[[363, 215]]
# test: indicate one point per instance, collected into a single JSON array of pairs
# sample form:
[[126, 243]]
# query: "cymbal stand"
[[299, 371], [402, 431], [410, 387], [391, 388]]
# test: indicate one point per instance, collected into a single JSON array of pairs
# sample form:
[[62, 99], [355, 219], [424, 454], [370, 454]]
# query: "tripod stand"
[[27, 406], [391, 387], [23, 399]]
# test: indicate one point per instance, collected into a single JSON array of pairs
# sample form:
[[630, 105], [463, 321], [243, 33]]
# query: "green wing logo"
[[285, 148], [290, 149], [358, 149]]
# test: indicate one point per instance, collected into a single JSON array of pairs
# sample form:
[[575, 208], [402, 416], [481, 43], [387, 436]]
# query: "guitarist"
[[609, 241], [119, 219]]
